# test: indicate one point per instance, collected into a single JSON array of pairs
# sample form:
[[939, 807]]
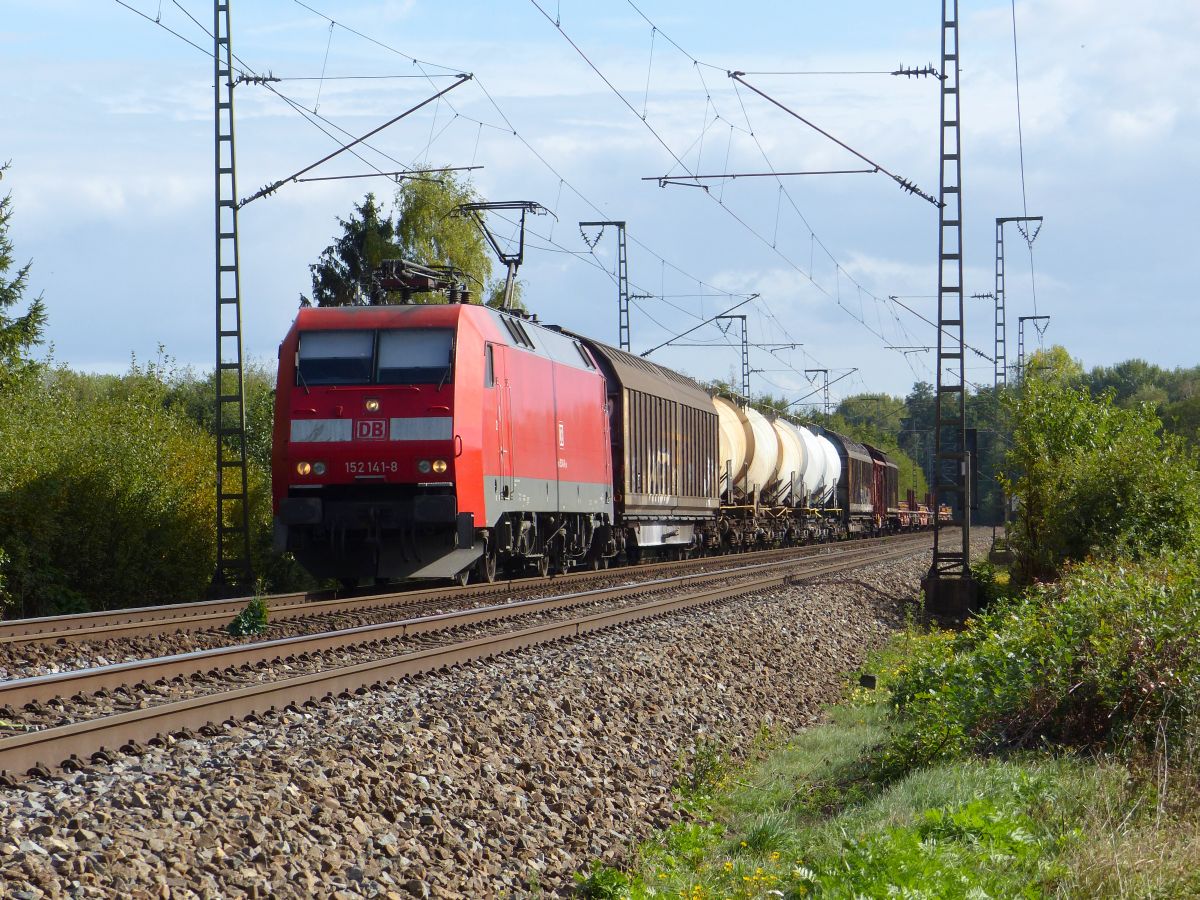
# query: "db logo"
[[370, 430]]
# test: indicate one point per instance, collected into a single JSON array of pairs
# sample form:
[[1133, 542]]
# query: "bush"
[[109, 489], [1108, 657], [109, 500], [1095, 479], [251, 620]]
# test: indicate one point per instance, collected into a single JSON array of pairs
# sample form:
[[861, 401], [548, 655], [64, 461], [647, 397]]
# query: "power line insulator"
[[924, 71]]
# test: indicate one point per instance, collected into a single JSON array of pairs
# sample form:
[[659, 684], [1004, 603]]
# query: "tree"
[[18, 333], [420, 229], [1054, 364], [1092, 477], [343, 274], [1183, 418], [878, 412], [1129, 379], [427, 234]]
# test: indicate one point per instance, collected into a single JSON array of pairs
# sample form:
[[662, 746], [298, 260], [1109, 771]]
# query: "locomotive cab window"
[[583, 354], [335, 357], [415, 356]]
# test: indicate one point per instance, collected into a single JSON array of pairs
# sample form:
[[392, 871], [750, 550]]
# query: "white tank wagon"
[[764, 460], [790, 488], [825, 491], [814, 470], [732, 442], [749, 450]]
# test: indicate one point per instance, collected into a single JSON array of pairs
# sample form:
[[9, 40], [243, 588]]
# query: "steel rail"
[[67, 746], [17, 693], [170, 618]]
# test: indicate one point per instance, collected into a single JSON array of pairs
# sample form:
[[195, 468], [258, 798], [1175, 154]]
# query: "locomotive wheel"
[[543, 565], [486, 569]]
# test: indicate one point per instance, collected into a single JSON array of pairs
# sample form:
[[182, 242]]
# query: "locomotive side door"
[[495, 378]]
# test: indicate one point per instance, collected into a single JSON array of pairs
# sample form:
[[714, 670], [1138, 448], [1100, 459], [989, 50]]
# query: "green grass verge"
[[809, 821]]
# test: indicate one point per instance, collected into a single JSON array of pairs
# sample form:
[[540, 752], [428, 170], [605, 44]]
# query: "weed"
[[683, 846], [700, 772], [602, 883], [251, 620], [767, 833]]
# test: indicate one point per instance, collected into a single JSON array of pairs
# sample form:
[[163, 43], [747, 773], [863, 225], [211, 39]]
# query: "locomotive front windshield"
[[410, 356], [415, 356], [335, 357]]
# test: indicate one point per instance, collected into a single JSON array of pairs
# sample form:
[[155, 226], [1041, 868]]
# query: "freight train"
[[459, 441]]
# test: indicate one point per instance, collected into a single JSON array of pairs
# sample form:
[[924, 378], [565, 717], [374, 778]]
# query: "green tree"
[[194, 395], [18, 333], [343, 274], [1091, 477], [420, 229], [1127, 380], [1183, 418], [1054, 364], [879, 412], [428, 234]]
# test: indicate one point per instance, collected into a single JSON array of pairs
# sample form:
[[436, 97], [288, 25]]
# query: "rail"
[[68, 746], [166, 619]]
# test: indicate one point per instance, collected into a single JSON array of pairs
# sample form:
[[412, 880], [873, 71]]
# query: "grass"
[[804, 822], [816, 817]]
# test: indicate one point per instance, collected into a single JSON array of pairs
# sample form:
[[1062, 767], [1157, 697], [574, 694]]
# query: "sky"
[[108, 124]]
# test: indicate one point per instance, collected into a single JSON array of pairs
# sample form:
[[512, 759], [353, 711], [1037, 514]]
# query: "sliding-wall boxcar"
[[663, 430]]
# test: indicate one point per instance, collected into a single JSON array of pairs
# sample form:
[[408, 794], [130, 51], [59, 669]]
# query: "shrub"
[[1092, 478], [1109, 656], [251, 620], [109, 500]]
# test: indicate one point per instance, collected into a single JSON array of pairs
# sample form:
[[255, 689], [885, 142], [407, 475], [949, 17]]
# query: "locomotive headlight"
[[319, 468], [372, 405], [303, 468], [423, 467], [439, 466]]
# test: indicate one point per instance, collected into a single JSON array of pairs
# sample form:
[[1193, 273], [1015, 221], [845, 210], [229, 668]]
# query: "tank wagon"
[[456, 440], [783, 482]]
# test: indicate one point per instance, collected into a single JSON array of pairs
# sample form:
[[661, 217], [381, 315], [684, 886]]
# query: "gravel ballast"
[[490, 780]]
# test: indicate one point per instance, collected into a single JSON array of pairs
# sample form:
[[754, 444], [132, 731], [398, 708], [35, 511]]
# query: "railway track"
[[206, 615], [72, 745]]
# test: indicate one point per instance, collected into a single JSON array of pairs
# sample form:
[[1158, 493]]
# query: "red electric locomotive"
[[433, 441]]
